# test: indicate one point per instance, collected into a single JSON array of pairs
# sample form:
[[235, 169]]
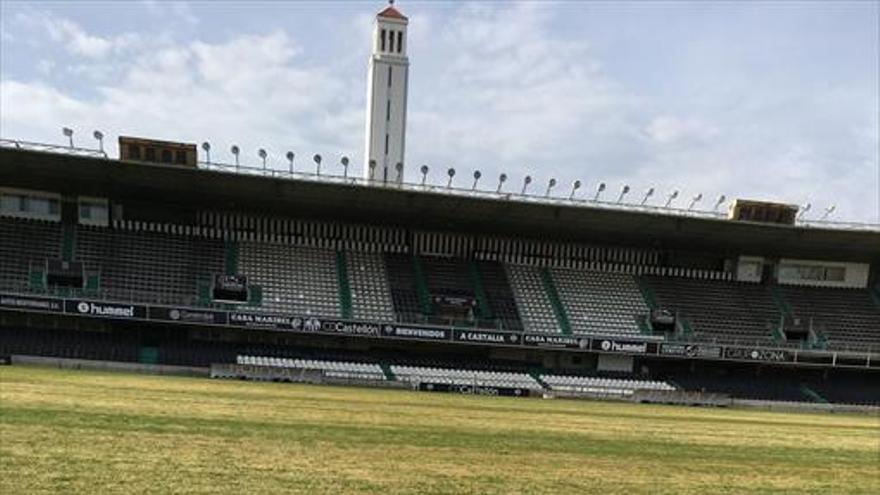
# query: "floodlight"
[[477, 175], [235, 152], [696, 199], [526, 181], [206, 147], [399, 168], [670, 199], [828, 212], [317, 159], [574, 187], [372, 165], [451, 174], [599, 191], [344, 162], [721, 200], [99, 136], [290, 156], [804, 209], [623, 192], [550, 185], [67, 131], [424, 170], [501, 180], [262, 154], [648, 194]]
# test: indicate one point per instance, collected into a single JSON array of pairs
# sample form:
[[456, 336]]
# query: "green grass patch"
[[89, 432]]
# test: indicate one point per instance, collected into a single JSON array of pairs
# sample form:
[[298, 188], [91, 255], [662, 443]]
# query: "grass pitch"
[[87, 432]]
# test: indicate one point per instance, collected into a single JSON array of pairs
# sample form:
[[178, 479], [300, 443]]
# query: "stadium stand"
[[535, 306], [25, 245], [293, 279], [848, 318], [742, 383], [582, 275], [334, 369], [736, 312], [600, 303], [371, 293], [479, 378], [600, 385], [444, 290], [498, 293], [406, 294], [148, 267]]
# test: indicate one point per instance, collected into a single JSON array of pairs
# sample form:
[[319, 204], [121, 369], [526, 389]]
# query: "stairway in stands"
[[555, 302], [344, 285]]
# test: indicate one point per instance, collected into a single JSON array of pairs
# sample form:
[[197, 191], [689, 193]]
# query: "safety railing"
[[448, 189]]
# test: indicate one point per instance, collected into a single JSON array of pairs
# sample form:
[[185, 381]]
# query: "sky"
[[759, 100]]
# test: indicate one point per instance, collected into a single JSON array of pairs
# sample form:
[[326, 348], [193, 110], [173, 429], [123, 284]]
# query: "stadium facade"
[[160, 259]]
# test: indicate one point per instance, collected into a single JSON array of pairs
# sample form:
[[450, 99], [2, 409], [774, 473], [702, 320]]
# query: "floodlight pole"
[[526, 181], [574, 188]]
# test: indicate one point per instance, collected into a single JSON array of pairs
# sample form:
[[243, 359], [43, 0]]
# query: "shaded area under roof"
[[423, 210]]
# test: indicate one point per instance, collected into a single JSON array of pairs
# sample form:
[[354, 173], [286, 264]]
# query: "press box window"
[[30, 206], [94, 212], [12, 203]]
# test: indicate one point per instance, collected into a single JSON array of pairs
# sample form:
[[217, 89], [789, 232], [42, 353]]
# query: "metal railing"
[[52, 148], [449, 189]]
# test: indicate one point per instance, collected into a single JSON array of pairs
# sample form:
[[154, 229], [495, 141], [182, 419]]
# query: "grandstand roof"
[[424, 209]]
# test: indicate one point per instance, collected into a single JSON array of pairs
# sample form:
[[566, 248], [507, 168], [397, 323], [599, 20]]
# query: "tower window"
[[388, 111], [382, 38], [400, 42], [391, 41], [389, 76], [386, 143]]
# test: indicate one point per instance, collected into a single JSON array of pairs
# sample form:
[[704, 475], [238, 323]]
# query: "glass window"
[[10, 203], [788, 272], [166, 156], [180, 157], [93, 212], [150, 154], [134, 152], [382, 42], [835, 273], [400, 42], [391, 41], [38, 206]]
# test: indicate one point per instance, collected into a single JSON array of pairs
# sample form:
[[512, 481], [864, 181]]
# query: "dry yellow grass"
[[86, 432]]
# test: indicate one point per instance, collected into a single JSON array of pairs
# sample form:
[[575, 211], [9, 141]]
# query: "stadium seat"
[[298, 280], [600, 303]]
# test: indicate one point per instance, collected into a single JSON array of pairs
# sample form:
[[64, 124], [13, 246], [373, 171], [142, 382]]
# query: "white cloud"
[[249, 90], [78, 42], [668, 129]]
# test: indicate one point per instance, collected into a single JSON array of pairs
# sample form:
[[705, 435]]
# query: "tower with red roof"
[[387, 85]]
